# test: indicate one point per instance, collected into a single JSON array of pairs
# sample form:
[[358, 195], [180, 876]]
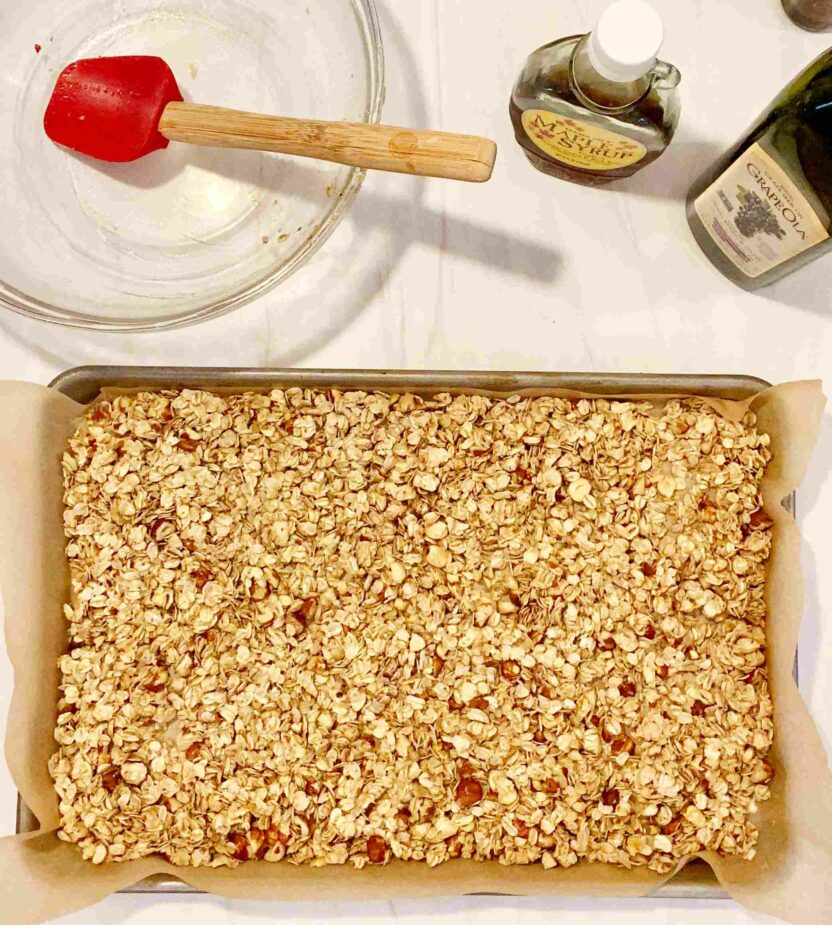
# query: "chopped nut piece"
[[764, 773], [510, 670], [376, 849], [155, 685], [305, 611], [759, 518], [275, 837], [201, 577], [258, 846], [159, 529], [468, 792], [622, 745], [671, 827], [240, 845], [110, 779]]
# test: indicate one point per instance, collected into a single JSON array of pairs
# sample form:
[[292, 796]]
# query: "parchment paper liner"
[[42, 877]]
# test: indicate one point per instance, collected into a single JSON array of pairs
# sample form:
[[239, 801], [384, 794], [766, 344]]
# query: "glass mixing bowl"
[[186, 233]]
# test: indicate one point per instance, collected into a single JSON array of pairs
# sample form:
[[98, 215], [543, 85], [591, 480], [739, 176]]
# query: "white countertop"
[[523, 273]]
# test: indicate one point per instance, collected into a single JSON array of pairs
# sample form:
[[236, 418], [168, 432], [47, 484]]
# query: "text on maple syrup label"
[[580, 144]]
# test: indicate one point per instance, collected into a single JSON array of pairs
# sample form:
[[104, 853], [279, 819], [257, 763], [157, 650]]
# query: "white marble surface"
[[523, 273]]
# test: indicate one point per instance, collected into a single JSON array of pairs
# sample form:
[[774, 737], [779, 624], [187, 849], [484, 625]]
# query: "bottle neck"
[[598, 92]]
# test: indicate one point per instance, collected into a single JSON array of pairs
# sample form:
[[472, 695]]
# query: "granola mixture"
[[346, 627]]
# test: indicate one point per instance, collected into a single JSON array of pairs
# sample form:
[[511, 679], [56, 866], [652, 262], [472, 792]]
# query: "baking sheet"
[[697, 880], [84, 384]]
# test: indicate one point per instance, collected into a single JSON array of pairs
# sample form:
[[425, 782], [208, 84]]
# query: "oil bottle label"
[[756, 215], [579, 144]]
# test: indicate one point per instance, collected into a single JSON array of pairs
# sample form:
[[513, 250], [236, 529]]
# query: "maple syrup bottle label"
[[757, 216], [580, 144]]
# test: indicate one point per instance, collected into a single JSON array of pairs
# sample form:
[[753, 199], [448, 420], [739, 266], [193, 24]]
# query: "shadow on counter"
[[671, 176], [807, 288]]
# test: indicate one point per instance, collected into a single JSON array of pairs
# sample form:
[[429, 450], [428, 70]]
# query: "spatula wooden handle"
[[378, 147]]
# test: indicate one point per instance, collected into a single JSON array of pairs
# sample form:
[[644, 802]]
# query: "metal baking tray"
[[84, 383]]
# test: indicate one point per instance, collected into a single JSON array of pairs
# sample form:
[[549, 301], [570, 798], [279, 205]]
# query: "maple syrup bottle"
[[599, 107]]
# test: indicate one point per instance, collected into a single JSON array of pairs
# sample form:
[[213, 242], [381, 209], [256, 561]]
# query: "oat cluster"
[[345, 627]]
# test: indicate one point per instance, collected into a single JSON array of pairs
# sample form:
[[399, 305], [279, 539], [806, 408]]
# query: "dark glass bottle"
[[812, 15], [765, 208], [599, 107]]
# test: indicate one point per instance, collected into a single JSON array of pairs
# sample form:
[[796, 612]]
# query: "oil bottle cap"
[[626, 41]]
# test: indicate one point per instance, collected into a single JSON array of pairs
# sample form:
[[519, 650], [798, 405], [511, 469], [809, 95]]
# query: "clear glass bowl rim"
[[23, 304]]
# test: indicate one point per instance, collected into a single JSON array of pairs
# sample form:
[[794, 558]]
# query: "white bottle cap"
[[626, 41]]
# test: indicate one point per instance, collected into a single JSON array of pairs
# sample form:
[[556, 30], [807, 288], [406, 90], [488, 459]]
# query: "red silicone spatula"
[[119, 109]]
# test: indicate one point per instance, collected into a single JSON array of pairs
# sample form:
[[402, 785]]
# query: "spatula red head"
[[110, 108]]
